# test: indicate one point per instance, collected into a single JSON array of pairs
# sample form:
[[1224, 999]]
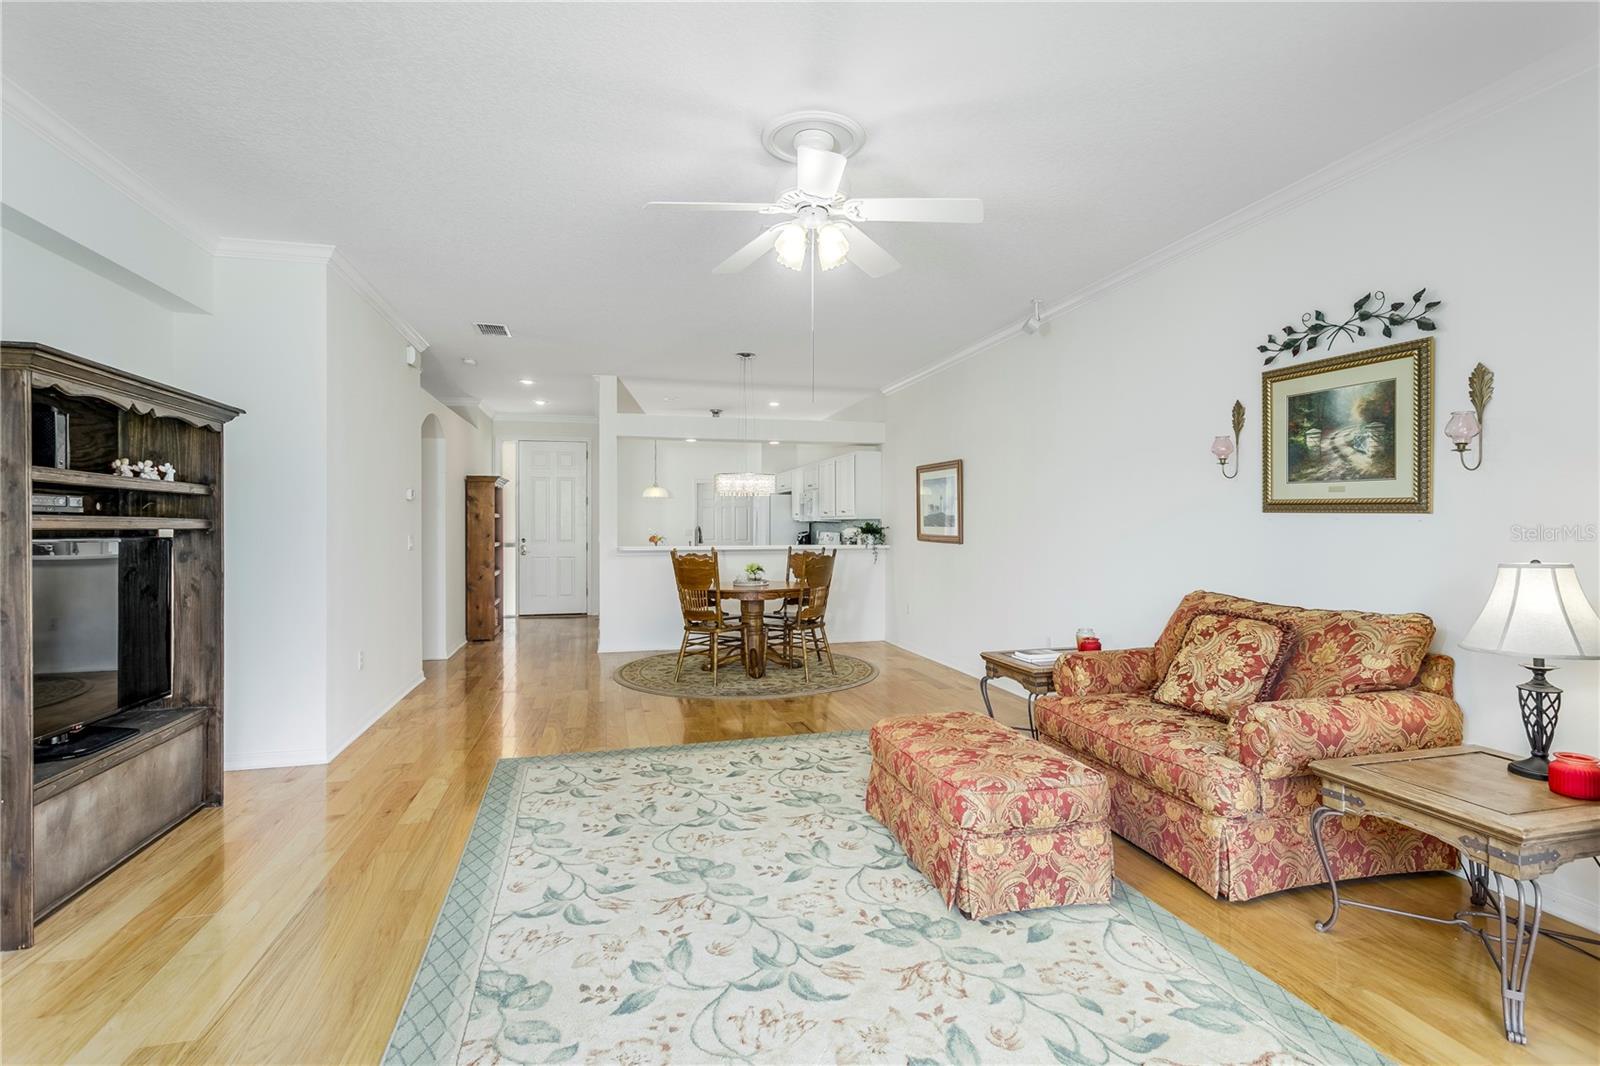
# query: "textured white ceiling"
[[488, 162]]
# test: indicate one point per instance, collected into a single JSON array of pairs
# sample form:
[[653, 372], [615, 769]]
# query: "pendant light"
[[748, 482], [655, 491]]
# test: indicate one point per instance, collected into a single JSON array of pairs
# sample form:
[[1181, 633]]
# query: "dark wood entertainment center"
[[65, 824]]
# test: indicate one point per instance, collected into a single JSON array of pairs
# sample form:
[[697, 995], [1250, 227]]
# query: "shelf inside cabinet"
[[112, 521], [84, 479]]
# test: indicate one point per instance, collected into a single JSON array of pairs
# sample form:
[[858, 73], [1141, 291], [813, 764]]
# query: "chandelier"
[[748, 482]]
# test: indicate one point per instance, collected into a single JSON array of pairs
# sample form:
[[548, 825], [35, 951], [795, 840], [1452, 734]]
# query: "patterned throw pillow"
[[1224, 664]]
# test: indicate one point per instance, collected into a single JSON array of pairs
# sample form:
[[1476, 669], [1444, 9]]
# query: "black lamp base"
[[1533, 766], [1540, 702]]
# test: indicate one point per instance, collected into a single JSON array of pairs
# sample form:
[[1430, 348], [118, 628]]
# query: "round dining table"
[[752, 622]]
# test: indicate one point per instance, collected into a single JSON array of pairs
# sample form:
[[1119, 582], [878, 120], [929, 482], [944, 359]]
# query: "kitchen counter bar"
[[735, 549]]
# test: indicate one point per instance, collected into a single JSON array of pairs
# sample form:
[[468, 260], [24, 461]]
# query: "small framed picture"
[[939, 515], [1350, 434]]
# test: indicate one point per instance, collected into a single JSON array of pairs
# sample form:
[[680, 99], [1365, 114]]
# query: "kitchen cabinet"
[[844, 486], [786, 481]]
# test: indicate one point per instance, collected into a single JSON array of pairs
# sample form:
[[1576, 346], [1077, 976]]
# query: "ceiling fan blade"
[[749, 253], [867, 253], [703, 205], [819, 173], [915, 209]]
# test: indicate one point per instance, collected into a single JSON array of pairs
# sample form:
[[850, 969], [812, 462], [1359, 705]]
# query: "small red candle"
[[1087, 641]]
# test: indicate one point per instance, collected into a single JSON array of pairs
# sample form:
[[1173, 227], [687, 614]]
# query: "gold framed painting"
[[939, 500], [1350, 434]]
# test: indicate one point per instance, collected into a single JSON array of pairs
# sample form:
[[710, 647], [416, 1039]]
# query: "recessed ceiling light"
[[525, 381], [469, 361], [774, 443], [772, 403], [540, 403], [688, 440]]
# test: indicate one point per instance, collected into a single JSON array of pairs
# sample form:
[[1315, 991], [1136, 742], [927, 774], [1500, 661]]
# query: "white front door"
[[552, 527], [723, 519]]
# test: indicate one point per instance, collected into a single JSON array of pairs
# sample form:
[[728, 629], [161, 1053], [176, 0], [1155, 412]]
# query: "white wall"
[[43, 295], [682, 465], [264, 348], [374, 566], [1091, 498], [315, 519], [469, 449]]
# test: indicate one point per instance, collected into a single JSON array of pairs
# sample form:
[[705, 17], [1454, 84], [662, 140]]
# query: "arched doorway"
[[434, 639]]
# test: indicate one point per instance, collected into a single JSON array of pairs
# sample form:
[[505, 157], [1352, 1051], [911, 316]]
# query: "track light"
[[1032, 323]]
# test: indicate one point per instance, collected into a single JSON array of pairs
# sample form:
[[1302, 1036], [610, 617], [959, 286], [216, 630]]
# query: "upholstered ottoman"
[[997, 821]]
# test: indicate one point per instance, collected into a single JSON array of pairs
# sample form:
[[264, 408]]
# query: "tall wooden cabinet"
[[65, 823], [485, 555]]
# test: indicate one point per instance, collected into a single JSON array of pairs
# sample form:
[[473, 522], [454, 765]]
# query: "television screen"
[[102, 628]]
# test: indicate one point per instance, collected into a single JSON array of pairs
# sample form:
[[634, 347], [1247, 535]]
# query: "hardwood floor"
[[285, 927]]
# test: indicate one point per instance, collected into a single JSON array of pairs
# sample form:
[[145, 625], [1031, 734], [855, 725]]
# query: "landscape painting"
[[1353, 433], [939, 502], [1343, 434]]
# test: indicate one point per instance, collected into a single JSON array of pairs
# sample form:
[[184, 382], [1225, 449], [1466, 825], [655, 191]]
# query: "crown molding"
[[346, 270], [499, 415], [26, 109], [326, 254], [1554, 70], [273, 251], [23, 107]]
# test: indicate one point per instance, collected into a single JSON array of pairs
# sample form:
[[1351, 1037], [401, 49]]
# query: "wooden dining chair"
[[706, 630], [794, 574], [811, 615]]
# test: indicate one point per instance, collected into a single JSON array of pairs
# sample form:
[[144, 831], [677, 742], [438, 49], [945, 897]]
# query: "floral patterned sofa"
[[1225, 799]]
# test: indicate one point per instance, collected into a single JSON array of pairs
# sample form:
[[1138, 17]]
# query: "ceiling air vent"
[[492, 329]]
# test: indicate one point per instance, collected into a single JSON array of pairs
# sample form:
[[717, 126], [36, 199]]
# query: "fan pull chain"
[[813, 274]]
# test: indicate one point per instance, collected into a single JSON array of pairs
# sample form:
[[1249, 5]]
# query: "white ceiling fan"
[[816, 215]]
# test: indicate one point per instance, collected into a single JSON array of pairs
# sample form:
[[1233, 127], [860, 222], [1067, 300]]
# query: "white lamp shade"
[[832, 246], [656, 492], [1537, 609], [746, 484], [790, 245]]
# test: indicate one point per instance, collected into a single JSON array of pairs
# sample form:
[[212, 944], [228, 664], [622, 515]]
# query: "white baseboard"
[[269, 760], [462, 643], [382, 709]]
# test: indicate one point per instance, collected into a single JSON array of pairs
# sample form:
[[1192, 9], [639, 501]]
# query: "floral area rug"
[[653, 674], [734, 902]]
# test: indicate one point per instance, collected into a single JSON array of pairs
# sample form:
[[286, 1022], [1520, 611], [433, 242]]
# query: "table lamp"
[[1537, 609]]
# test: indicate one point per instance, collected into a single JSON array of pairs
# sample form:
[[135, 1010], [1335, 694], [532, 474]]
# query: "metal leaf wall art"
[[1372, 311]]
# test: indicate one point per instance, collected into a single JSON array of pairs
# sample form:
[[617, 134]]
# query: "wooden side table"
[[1036, 680], [1507, 828]]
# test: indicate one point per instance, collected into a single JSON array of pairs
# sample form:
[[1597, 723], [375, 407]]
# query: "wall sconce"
[[1223, 447], [1465, 425]]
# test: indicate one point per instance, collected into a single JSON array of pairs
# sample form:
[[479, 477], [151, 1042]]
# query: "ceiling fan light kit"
[[824, 223]]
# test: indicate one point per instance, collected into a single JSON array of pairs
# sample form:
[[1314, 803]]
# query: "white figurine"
[[168, 472], [147, 471], [122, 468]]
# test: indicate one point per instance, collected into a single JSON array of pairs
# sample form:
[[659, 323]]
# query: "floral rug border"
[[431, 1021], [823, 685]]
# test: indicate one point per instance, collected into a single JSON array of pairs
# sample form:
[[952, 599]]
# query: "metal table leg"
[[1511, 948], [983, 690], [1033, 730]]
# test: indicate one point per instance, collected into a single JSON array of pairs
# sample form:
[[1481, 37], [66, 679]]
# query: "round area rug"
[[653, 674]]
